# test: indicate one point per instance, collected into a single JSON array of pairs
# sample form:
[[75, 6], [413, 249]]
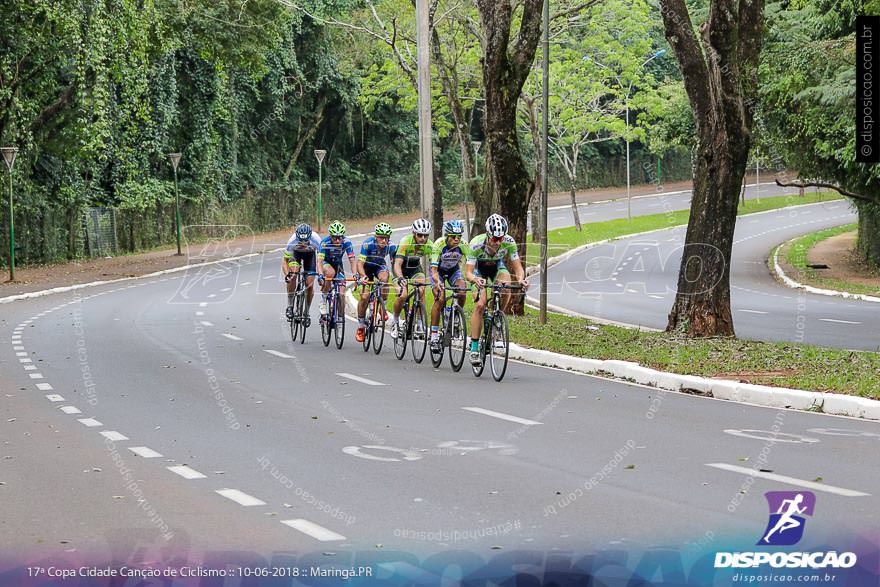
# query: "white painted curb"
[[777, 269], [762, 395]]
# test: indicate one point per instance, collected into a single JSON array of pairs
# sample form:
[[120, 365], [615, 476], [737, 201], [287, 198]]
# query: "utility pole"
[[545, 115], [175, 161], [426, 157], [9, 154], [319, 155]]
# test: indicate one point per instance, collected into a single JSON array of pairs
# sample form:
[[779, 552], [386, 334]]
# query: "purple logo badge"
[[787, 511]]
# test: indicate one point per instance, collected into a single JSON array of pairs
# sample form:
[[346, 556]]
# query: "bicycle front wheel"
[[419, 332], [327, 322], [457, 338], [499, 346], [303, 313], [400, 339], [437, 357], [378, 325], [339, 328]]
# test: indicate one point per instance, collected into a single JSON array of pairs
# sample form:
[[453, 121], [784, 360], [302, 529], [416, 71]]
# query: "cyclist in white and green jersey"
[[491, 258], [446, 262], [408, 265]]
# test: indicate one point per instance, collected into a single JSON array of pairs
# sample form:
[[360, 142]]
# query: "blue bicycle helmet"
[[453, 228], [303, 232]]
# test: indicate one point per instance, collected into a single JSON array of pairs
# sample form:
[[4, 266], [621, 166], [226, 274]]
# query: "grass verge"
[[798, 366], [796, 253]]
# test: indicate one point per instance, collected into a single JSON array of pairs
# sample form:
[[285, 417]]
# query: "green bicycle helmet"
[[383, 229], [336, 229]]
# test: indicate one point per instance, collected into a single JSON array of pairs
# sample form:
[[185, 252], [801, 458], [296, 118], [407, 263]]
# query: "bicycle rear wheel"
[[457, 338], [400, 339], [484, 339], [378, 325], [437, 357], [368, 326], [499, 346], [339, 328], [419, 332]]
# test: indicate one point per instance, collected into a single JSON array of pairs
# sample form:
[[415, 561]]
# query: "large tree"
[[719, 70]]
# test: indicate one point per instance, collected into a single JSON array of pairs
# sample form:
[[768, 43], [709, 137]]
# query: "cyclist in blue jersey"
[[300, 254], [371, 265], [447, 257], [333, 248]]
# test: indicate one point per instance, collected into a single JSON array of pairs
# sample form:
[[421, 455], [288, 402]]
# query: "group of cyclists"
[[488, 258]]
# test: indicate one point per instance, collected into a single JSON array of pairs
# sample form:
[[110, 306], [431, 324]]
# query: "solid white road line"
[[240, 497], [54, 397], [231, 336], [789, 480], [186, 472], [503, 416], [89, 422], [754, 311], [277, 354], [360, 379], [838, 321], [145, 452], [314, 530], [70, 410], [113, 435], [44, 387]]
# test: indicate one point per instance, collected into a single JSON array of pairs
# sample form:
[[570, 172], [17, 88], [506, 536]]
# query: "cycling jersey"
[[374, 256], [332, 253], [446, 258], [302, 253], [412, 253], [479, 251]]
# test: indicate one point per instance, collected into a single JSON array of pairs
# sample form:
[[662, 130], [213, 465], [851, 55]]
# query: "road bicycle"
[[299, 317], [414, 327], [453, 331], [333, 322], [495, 338], [374, 320]]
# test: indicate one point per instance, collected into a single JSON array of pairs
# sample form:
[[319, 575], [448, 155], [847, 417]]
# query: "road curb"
[[762, 395], [779, 273]]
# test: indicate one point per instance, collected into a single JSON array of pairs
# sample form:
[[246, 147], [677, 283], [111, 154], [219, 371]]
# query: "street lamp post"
[[545, 104], [319, 155], [9, 154], [175, 160], [467, 215], [626, 104]]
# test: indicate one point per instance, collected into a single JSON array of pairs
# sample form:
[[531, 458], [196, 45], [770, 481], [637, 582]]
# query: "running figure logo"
[[787, 508]]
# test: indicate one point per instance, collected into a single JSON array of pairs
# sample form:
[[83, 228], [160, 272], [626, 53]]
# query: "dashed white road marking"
[[203, 304], [245, 283], [145, 452], [30, 367], [200, 313], [25, 361], [790, 480], [21, 354], [314, 530], [226, 289], [656, 297], [35, 375], [240, 497], [753, 311], [277, 354], [205, 323], [70, 410], [269, 277], [360, 379], [44, 387], [54, 397], [212, 295], [18, 348], [838, 321], [89, 422], [503, 416], [231, 336], [186, 472], [113, 435]]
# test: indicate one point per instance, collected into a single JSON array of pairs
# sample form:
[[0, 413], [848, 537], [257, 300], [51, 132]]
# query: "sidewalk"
[[40, 277]]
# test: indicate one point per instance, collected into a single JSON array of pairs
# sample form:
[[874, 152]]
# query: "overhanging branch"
[[825, 184]]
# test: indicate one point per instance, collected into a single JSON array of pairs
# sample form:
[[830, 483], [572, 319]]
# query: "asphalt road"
[[633, 280], [142, 423]]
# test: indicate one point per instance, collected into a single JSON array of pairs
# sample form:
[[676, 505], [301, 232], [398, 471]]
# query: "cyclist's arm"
[[286, 258], [469, 272], [360, 261], [398, 267]]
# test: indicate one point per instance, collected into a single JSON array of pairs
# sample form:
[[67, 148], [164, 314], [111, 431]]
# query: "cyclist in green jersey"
[[446, 260], [411, 250], [492, 256]]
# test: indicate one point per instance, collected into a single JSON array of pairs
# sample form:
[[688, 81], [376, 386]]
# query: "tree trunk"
[[721, 82], [306, 135], [868, 242], [437, 212], [572, 190], [505, 66]]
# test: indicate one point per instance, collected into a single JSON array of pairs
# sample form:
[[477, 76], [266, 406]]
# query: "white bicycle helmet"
[[496, 225], [421, 226]]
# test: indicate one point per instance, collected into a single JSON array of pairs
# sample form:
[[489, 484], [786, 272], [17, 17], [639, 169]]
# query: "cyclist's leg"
[[329, 275], [506, 294], [480, 298], [383, 275], [457, 281], [439, 300], [370, 274]]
